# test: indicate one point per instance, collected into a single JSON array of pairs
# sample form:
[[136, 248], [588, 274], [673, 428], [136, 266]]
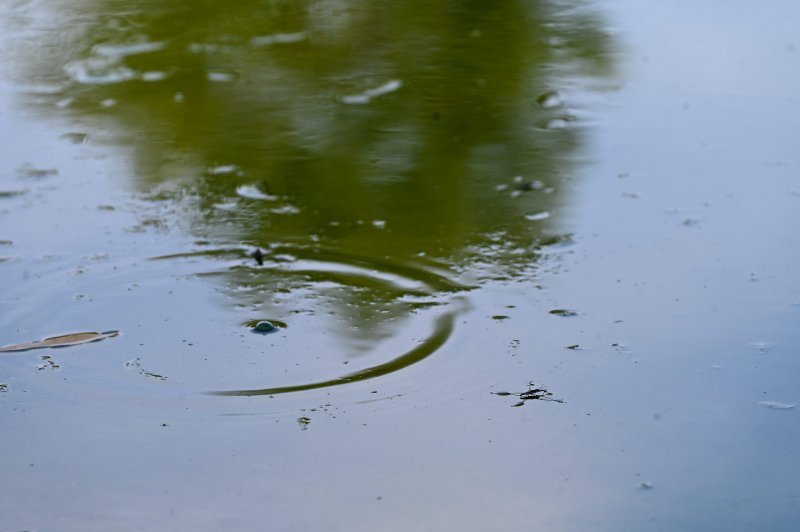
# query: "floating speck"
[[762, 347], [219, 77], [226, 206], [108, 102], [285, 209], [527, 186], [550, 99], [36, 173], [544, 215], [11, 193], [380, 224], [368, 95], [556, 123], [645, 485], [278, 38], [222, 169], [152, 375], [252, 192], [564, 313], [49, 363], [75, 137], [121, 50], [154, 76]]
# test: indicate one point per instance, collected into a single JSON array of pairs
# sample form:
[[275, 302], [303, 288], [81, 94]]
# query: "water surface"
[[450, 201]]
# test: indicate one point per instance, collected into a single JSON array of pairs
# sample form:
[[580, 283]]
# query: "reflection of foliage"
[[425, 159], [253, 93]]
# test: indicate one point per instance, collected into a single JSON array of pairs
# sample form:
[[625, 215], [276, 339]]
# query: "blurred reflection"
[[364, 146]]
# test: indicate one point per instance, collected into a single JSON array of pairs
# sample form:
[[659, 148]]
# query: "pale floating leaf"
[[65, 340]]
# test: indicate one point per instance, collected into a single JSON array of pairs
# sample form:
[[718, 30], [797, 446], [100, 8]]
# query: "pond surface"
[[525, 265]]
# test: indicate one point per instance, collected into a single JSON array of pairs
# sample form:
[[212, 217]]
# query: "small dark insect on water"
[[259, 256], [531, 394]]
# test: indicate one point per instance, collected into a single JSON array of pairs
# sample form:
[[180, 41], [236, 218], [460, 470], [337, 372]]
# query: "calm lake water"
[[532, 265]]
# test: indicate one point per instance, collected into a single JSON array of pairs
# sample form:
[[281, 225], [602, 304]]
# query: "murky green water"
[[588, 211]]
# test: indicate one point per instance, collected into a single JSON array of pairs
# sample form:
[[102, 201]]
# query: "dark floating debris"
[[259, 256], [48, 363], [137, 363], [12, 193], [263, 326], [303, 422], [533, 393], [573, 347], [500, 317], [550, 99], [65, 340], [36, 173], [75, 137], [564, 313], [528, 186], [152, 375]]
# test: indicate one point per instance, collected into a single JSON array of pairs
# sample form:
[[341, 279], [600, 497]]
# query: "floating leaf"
[[65, 340]]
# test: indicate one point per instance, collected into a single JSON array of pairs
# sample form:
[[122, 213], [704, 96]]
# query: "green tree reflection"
[[381, 130]]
